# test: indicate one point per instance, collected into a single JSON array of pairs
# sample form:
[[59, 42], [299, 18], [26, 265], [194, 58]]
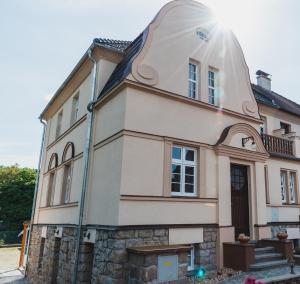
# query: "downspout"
[[86, 158], [37, 179]]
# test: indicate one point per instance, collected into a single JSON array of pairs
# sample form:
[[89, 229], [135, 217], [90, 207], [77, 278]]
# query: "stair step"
[[263, 257], [268, 264], [264, 250]]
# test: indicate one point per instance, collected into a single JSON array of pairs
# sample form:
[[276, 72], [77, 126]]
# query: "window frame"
[[59, 124], [193, 81], [183, 164], [191, 265], [263, 126], [287, 127], [75, 108], [66, 186], [285, 184], [288, 196], [214, 88], [51, 188]]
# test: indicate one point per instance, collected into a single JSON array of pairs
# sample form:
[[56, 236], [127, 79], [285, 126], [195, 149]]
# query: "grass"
[[9, 257]]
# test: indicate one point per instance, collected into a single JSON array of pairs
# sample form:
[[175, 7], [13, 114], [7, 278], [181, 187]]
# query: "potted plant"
[[243, 239], [282, 236]]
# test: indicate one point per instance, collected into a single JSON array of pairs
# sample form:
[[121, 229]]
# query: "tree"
[[16, 195]]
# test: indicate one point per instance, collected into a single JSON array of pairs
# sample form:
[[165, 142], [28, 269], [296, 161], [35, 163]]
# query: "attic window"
[[202, 34]]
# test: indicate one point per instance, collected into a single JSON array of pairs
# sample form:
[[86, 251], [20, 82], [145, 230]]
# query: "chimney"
[[263, 80]]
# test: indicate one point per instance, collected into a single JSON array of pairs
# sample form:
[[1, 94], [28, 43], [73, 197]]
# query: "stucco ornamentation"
[[224, 145], [53, 162], [69, 152], [249, 108], [146, 74]]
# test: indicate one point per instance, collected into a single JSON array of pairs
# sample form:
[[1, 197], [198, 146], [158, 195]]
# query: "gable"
[[173, 40]]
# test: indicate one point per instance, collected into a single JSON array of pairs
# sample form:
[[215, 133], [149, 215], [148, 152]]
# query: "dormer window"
[[193, 80], [202, 34]]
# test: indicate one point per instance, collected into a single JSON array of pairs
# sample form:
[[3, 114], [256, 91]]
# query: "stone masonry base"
[[51, 259]]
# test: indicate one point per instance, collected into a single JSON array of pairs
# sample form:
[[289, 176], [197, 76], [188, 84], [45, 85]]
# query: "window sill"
[[66, 205], [287, 205]]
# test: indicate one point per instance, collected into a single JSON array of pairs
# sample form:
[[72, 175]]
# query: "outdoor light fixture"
[[198, 273], [246, 139]]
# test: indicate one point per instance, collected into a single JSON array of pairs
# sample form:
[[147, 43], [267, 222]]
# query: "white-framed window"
[[191, 259], [193, 80], [75, 108], [59, 123], [67, 182], [51, 188], [184, 171], [263, 126], [292, 192], [212, 87], [288, 183], [283, 186]]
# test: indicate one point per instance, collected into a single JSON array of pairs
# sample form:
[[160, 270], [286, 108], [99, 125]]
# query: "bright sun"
[[232, 14]]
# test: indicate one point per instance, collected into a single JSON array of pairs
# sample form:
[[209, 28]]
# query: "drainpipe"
[[37, 179], [86, 158]]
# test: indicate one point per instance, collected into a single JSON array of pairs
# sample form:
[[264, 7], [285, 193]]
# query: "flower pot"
[[282, 236]]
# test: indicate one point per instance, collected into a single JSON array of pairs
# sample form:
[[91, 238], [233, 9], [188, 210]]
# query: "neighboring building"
[[186, 154]]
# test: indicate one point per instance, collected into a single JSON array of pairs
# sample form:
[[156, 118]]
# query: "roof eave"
[[75, 69]]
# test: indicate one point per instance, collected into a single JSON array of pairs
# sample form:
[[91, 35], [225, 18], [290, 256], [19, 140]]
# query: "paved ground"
[[271, 273], [9, 258]]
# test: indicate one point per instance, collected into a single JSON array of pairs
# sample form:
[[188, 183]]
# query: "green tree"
[[16, 195]]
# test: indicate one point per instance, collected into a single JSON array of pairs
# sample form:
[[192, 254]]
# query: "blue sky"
[[41, 41]]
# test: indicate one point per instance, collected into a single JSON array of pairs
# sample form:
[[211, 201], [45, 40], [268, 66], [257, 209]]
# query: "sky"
[[41, 42]]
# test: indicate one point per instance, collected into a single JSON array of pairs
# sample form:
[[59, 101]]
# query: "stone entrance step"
[[268, 264], [264, 250], [263, 257]]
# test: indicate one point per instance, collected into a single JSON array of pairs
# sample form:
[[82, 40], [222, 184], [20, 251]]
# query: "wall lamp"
[[246, 139]]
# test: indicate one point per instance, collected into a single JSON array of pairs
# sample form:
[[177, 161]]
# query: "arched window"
[[69, 152], [53, 163], [67, 159]]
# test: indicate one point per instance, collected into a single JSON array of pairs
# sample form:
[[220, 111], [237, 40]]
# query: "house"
[[158, 151]]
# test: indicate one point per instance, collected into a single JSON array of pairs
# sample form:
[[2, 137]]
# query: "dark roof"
[[123, 69], [118, 45], [275, 100]]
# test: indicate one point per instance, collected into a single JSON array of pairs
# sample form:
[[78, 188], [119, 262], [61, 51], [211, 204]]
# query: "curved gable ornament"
[[225, 145], [69, 152], [53, 162]]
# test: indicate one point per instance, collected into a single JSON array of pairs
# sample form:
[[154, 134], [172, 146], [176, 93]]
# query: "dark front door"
[[239, 199]]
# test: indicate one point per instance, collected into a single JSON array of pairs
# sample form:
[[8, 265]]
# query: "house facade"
[[159, 150]]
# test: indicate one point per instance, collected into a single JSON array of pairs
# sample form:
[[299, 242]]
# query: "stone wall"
[[205, 253], [144, 268], [111, 258], [107, 260]]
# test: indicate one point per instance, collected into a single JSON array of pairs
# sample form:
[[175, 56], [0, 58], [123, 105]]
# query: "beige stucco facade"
[[138, 121]]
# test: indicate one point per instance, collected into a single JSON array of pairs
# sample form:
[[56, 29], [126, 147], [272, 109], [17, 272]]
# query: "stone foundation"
[[51, 259]]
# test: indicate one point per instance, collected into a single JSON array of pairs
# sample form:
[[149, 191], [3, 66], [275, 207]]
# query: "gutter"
[[35, 192], [86, 160]]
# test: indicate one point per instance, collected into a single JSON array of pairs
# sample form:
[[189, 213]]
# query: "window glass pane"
[[175, 178], [283, 186], [189, 170], [189, 155], [292, 187], [189, 188], [189, 179], [176, 153], [176, 169], [175, 187]]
